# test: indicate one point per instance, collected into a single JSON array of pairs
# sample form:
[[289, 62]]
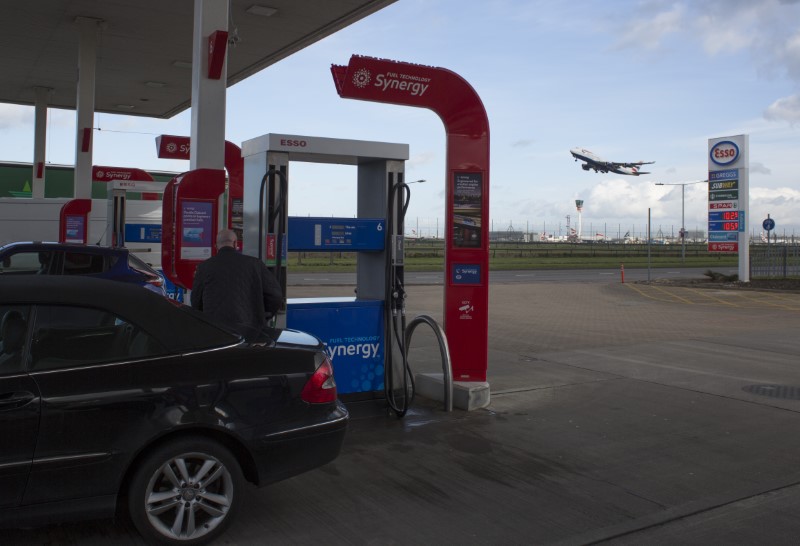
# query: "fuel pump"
[[276, 220], [399, 199], [120, 181], [190, 220], [364, 335]]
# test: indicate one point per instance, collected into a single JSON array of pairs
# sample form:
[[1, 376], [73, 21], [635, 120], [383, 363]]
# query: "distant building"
[[509, 236]]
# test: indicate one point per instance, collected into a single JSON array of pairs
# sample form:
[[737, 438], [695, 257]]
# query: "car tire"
[[185, 492]]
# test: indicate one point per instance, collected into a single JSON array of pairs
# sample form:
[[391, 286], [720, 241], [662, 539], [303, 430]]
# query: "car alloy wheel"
[[185, 492]]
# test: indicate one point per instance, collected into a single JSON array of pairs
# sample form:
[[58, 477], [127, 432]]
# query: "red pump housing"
[[189, 223], [466, 286]]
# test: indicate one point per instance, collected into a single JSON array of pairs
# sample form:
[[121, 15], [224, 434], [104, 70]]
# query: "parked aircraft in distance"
[[600, 165]]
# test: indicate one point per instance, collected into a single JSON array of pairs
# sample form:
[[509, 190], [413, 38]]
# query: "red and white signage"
[[173, 147], [723, 247], [109, 174], [462, 112], [723, 205], [217, 46], [724, 153]]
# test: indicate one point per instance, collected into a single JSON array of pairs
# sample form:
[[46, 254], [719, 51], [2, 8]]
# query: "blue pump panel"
[[142, 233], [336, 234], [352, 331]]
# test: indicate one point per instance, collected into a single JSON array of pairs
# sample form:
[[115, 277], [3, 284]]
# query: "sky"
[[629, 80]]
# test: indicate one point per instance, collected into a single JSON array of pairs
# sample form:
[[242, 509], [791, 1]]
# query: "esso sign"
[[724, 153], [293, 143]]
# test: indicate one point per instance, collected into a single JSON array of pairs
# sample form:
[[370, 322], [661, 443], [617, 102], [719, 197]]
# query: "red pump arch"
[[466, 286]]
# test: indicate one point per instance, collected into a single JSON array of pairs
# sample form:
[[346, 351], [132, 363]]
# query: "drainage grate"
[[787, 392]]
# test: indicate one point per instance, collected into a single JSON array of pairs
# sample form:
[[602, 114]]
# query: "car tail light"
[[156, 281], [320, 387]]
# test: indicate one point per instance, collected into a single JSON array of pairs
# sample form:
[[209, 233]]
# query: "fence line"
[[531, 230], [775, 260]]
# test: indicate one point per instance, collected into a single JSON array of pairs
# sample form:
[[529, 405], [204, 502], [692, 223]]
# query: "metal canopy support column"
[[88, 28], [208, 95], [375, 182], [40, 140]]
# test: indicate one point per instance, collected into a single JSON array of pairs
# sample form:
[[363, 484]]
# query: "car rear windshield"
[[139, 265]]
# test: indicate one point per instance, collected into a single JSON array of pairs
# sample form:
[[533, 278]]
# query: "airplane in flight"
[[600, 165]]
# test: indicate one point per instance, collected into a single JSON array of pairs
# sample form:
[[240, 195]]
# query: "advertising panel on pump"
[[75, 228], [196, 230], [467, 208]]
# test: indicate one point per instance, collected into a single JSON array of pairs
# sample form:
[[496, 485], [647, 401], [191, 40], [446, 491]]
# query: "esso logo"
[[291, 143], [724, 152]]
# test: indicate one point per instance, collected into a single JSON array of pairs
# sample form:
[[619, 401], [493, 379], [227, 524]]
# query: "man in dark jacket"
[[236, 289]]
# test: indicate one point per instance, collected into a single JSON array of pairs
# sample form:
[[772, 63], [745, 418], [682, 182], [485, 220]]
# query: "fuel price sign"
[[723, 226], [726, 195], [728, 198], [723, 215]]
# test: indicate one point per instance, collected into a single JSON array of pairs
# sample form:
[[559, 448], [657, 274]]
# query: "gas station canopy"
[[145, 47]]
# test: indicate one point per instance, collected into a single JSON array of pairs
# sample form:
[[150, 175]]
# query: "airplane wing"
[[635, 164]]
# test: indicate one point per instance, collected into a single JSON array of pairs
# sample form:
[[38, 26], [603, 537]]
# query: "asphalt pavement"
[[521, 276], [620, 414]]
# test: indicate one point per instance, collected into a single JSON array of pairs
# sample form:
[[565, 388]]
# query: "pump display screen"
[[467, 208]]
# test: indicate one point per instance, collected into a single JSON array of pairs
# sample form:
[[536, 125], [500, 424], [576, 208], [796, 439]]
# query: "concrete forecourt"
[[620, 413]]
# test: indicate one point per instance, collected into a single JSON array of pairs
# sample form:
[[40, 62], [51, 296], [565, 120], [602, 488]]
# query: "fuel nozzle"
[[398, 299]]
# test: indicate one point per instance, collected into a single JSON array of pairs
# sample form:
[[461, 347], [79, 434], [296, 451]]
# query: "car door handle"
[[11, 400]]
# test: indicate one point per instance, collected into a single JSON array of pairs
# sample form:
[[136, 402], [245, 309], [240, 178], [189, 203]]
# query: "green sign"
[[732, 195], [723, 185]]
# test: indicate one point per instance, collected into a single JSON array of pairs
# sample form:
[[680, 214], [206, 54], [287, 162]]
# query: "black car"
[[114, 400], [44, 258]]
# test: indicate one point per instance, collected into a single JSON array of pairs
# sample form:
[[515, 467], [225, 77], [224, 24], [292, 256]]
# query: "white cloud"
[[524, 143], [621, 204], [758, 167], [781, 204], [730, 26], [785, 109], [14, 116], [624, 199], [766, 29], [649, 31], [791, 56], [422, 158]]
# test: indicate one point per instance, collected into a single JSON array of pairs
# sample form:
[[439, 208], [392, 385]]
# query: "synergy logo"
[[172, 147], [100, 174], [362, 78], [724, 153], [413, 85], [361, 346]]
